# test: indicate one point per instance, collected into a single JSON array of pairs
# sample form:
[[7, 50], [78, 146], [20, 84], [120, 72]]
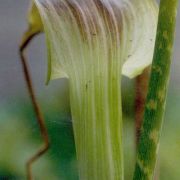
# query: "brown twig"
[[36, 107], [141, 93]]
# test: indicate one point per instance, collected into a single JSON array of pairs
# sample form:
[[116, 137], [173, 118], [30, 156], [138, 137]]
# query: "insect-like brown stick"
[[39, 116]]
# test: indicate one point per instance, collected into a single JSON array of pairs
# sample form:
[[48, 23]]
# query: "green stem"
[[97, 121], [156, 98]]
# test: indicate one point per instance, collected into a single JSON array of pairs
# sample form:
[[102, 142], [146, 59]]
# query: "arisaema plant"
[[93, 43]]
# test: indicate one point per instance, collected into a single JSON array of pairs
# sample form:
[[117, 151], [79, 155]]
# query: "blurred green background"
[[19, 132]]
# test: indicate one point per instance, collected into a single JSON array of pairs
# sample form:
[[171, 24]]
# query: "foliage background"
[[19, 135]]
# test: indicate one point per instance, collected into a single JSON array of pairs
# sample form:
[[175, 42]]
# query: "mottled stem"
[[156, 98]]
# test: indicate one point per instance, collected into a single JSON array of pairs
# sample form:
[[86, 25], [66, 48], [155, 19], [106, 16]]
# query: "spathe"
[[92, 42], [140, 20]]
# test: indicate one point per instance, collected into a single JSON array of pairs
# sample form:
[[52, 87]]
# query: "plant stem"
[[156, 98], [141, 93], [97, 122], [28, 36]]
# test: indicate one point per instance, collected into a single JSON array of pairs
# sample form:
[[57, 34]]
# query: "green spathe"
[[142, 25], [92, 42]]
